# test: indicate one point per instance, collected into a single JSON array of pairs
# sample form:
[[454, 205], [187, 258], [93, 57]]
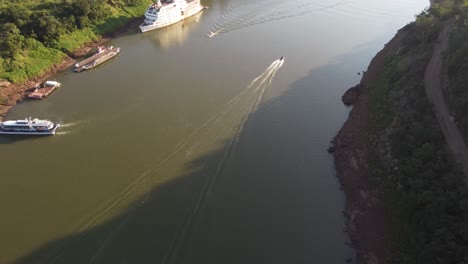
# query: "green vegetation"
[[35, 35], [426, 196], [457, 69]]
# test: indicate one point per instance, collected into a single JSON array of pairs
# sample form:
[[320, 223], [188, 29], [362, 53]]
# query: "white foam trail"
[[72, 124], [187, 226], [62, 133], [275, 71], [264, 73], [184, 142], [263, 81], [281, 63], [267, 75], [260, 96], [111, 205], [212, 34]]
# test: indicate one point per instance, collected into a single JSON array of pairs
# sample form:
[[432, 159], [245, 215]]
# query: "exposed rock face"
[[351, 96], [367, 222]]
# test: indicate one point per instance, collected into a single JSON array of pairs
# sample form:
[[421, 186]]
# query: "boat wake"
[[260, 83], [72, 124], [212, 34], [243, 14], [62, 133], [233, 114]]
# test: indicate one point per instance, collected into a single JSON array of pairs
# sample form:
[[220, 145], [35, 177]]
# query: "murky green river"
[[175, 152]]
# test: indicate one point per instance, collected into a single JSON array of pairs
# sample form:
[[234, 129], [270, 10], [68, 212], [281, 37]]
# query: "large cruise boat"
[[167, 12], [28, 127]]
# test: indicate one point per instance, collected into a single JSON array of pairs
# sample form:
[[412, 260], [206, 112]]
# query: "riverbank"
[[367, 222], [15, 93]]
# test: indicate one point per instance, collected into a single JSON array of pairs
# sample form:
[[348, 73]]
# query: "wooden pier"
[[44, 90]]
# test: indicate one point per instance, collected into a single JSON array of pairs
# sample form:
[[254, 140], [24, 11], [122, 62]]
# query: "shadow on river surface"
[[275, 199]]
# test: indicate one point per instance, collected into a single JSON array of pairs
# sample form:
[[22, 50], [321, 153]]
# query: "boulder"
[[352, 94]]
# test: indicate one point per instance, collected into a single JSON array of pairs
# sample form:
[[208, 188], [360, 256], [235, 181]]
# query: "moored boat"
[[103, 54], [43, 90], [28, 126], [167, 12]]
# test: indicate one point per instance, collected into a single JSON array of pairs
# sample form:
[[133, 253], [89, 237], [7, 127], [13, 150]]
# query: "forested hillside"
[[36, 34], [457, 69], [426, 191]]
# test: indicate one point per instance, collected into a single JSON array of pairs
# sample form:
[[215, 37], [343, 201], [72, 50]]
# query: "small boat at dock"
[[103, 54], [43, 90], [28, 126]]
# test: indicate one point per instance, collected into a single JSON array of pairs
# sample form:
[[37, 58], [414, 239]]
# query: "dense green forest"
[[426, 195], [457, 69], [36, 34]]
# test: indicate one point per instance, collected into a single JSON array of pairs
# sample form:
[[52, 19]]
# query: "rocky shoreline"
[[17, 92], [366, 217]]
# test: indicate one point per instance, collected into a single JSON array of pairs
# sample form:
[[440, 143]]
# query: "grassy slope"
[[39, 58]]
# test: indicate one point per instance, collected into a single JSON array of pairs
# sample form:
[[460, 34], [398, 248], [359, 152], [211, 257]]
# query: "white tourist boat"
[[167, 12], [28, 126]]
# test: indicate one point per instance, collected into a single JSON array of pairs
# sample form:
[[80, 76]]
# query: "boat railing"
[[97, 56]]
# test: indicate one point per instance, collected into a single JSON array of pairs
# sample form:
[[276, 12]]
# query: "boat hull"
[[160, 23], [27, 133], [97, 59], [30, 133]]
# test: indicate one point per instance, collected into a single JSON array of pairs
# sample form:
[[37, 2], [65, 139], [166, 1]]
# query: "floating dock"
[[43, 90], [103, 54]]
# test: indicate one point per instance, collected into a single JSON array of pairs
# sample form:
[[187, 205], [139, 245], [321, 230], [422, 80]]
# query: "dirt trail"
[[433, 86]]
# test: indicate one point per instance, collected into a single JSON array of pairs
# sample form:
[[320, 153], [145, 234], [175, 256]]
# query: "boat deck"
[[96, 59], [42, 92]]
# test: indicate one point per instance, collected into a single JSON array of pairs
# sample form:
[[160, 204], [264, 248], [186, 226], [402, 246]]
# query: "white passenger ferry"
[[28, 127], [167, 12]]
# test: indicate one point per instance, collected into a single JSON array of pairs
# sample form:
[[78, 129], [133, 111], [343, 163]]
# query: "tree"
[[50, 28], [11, 40], [95, 10], [18, 15]]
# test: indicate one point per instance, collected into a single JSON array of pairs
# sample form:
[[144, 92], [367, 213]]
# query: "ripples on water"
[[243, 13], [240, 107], [254, 90]]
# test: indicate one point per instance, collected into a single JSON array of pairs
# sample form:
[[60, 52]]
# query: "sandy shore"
[[367, 221], [17, 92]]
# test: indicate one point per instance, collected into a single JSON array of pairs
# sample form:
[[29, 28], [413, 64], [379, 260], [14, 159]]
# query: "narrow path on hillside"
[[433, 86]]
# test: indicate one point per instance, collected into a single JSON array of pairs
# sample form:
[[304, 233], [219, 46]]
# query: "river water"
[[174, 152]]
